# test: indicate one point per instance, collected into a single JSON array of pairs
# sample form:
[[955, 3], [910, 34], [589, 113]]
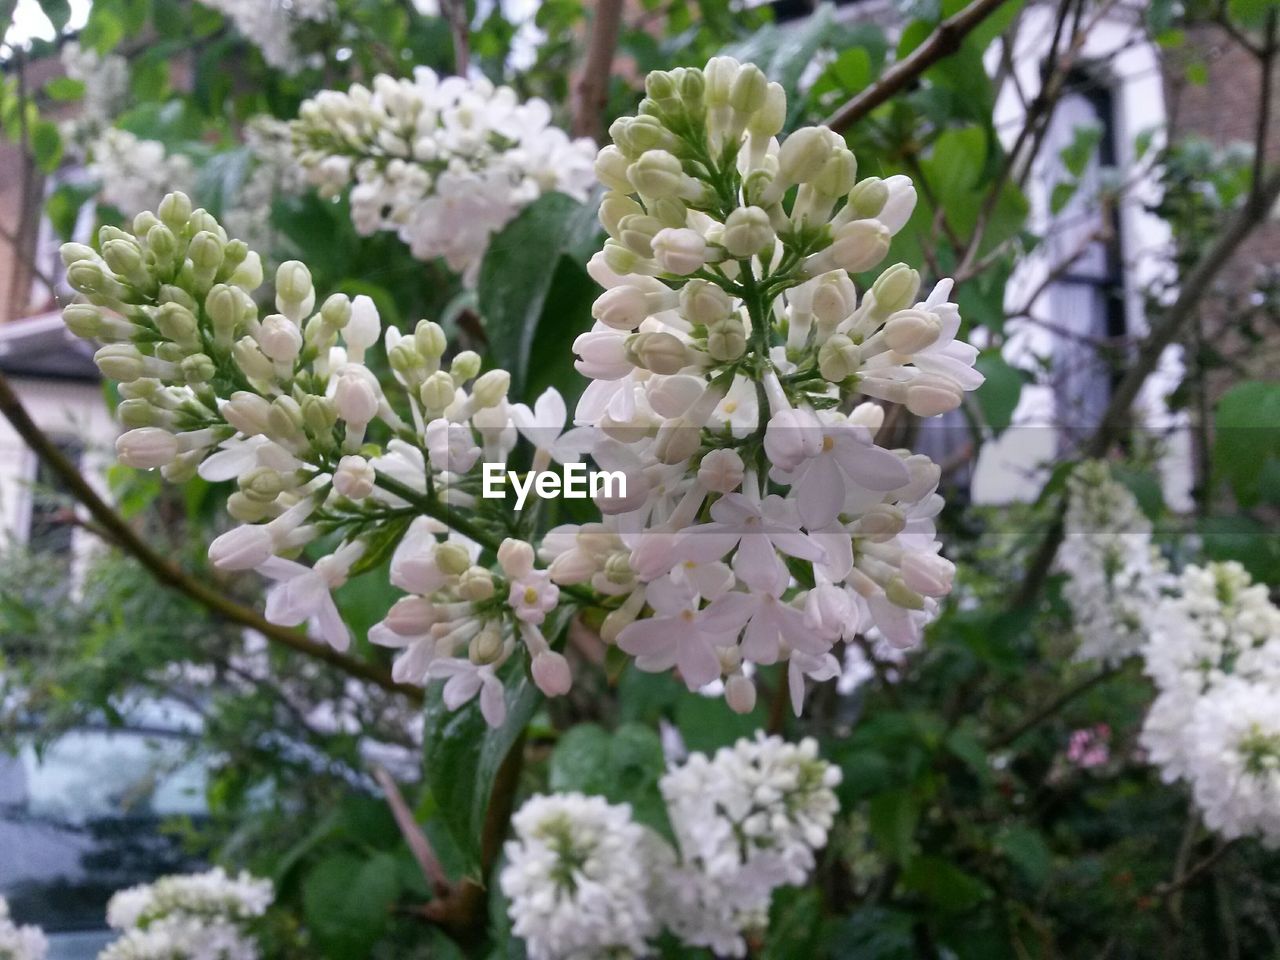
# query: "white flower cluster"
[[272, 173], [1115, 573], [1214, 655], [134, 171], [270, 25], [761, 521], [106, 87], [578, 878], [585, 881], [188, 917], [443, 162], [20, 943]]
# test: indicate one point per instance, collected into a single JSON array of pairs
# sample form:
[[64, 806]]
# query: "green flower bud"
[[648, 133], [336, 310], [900, 595], [670, 211], [136, 412], [261, 484], [619, 259], [476, 583], [750, 89], [405, 360], [175, 211], [837, 176], [894, 290], [284, 420], [248, 275], [226, 310], [120, 361], [437, 392], [770, 118], [636, 233], [162, 243], [205, 252], [202, 221], [245, 510], [614, 208], [747, 231], [727, 342], [693, 90], [486, 646], [704, 302], [611, 169], [170, 293], [251, 360], [660, 85], [465, 366], [144, 223], [720, 74], [430, 340], [839, 358], [491, 388], [319, 415], [868, 198], [452, 558], [234, 254], [198, 368], [293, 282], [177, 323], [83, 319]]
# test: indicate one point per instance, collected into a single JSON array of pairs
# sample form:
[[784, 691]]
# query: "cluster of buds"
[[730, 351]]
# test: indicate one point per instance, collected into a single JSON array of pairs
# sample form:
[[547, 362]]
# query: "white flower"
[[533, 596], [303, 594], [577, 878], [20, 942], [678, 634], [466, 679]]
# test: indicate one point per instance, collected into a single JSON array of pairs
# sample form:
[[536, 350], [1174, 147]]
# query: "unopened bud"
[[198, 368], [465, 366], [293, 282], [611, 169], [680, 251], [146, 448], [867, 198], [120, 361], [354, 477], [262, 484], [516, 558], [750, 90], [931, 395], [740, 693], [551, 673], [429, 338], [175, 211], [476, 583], [660, 352], [704, 302], [721, 471], [452, 558], [803, 154], [656, 173], [437, 392], [356, 399], [838, 358], [894, 290], [747, 231], [910, 331]]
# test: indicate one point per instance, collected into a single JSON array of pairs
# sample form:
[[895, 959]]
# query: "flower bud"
[[137, 412], [363, 328], [490, 389], [614, 208], [551, 673], [910, 331], [612, 170], [769, 120], [336, 310], [242, 548], [620, 259], [881, 523], [249, 275], [486, 646], [476, 583], [857, 246], [727, 341], [899, 204], [226, 309], [747, 231], [622, 308], [284, 420], [838, 358], [677, 441], [465, 366], [251, 361], [572, 566], [750, 90], [205, 252], [280, 339], [834, 298], [452, 558], [899, 594], [354, 477], [319, 416], [867, 198], [720, 74], [656, 173], [160, 241], [894, 290], [636, 233], [693, 89], [837, 176], [198, 368], [356, 399], [791, 437], [247, 412], [261, 484], [803, 154], [704, 302], [437, 392], [145, 448], [740, 693], [410, 616], [680, 251], [125, 259], [661, 352], [927, 573], [721, 471], [83, 319], [515, 557], [120, 361], [430, 340], [293, 283], [931, 395], [175, 211]]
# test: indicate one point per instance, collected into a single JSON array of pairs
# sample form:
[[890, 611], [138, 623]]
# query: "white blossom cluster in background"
[[133, 171], [1116, 575], [272, 173], [204, 916], [270, 25], [443, 162], [106, 88], [584, 880], [753, 518], [20, 942], [1214, 654]]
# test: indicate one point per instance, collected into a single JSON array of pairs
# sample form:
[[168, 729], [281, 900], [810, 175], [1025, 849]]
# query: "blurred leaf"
[[796, 926], [462, 755], [892, 819], [1027, 851], [46, 145], [347, 902], [1245, 540], [998, 396], [1246, 436], [707, 723], [378, 546], [875, 933], [943, 883], [622, 767], [516, 278], [58, 12], [1084, 140], [63, 89], [64, 205]]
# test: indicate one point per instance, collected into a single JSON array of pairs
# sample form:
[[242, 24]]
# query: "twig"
[[455, 13], [1174, 886], [417, 841], [943, 42], [1052, 707], [592, 90], [1266, 60], [168, 573]]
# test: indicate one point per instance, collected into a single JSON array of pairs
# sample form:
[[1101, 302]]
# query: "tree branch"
[[592, 90], [1052, 707], [168, 573], [943, 42], [455, 13], [418, 843]]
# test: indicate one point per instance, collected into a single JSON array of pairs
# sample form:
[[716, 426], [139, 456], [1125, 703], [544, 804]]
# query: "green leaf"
[[462, 755], [944, 884], [58, 12], [516, 277], [63, 89], [1084, 140], [1246, 436], [347, 902], [386, 536], [1244, 540], [876, 933], [892, 819], [64, 205], [46, 145], [622, 767], [707, 723], [1026, 850], [998, 396], [1061, 195]]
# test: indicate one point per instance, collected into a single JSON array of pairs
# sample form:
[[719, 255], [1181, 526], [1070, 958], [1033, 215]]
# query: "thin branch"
[[943, 42], [455, 13], [592, 90], [417, 841], [1052, 707], [1266, 61], [1189, 876], [168, 573]]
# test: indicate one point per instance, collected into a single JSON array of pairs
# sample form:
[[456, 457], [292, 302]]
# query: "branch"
[[168, 573], [1052, 707], [943, 42], [592, 90], [455, 13], [1193, 289], [418, 843]]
